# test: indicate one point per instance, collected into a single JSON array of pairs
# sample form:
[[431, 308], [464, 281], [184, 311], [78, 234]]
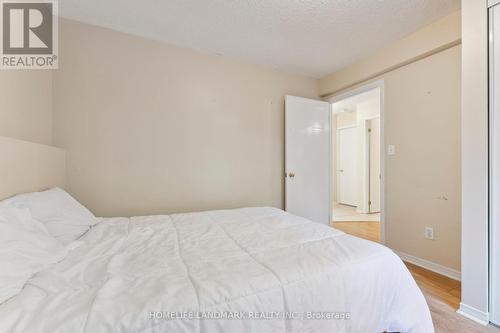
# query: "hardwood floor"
[[442, 293], [367, 230], [441, 287], [345, 213]]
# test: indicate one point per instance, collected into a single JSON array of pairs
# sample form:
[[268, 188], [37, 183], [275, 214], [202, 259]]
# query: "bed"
[[244, 270]]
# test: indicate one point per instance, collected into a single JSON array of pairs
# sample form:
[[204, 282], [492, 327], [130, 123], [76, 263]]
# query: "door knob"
[[341, 170], [291, 174]]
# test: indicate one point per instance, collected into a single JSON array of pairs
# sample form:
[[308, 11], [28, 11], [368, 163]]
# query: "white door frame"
[[356, 91], [367, 166], [493, 176]]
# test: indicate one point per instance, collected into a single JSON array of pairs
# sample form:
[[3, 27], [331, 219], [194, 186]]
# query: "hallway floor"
[[348, 213], [366, 230]]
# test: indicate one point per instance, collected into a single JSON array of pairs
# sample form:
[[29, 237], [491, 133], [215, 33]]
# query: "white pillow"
[[64, 217], [25, 249]]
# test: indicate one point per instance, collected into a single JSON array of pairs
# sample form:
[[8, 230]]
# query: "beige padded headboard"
[[29, 167]]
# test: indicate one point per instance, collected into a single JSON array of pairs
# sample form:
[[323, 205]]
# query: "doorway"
[[357, 158]]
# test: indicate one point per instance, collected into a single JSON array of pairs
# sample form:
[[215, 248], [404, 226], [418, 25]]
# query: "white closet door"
[[495, 165], [347, 167]]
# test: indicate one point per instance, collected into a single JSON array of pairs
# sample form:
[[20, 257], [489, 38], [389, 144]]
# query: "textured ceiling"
[[309, 37]]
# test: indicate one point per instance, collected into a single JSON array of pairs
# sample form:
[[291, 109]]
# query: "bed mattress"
[[244, 270]]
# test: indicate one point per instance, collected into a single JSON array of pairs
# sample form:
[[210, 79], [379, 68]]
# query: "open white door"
[[307, 158]]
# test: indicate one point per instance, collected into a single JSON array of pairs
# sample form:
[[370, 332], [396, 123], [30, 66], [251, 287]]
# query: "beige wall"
[[26, 105], [152, 128], [475, 159], [434, 37], [422, 119], [28, 167]]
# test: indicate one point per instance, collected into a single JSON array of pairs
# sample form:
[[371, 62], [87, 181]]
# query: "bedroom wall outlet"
[[429, 233], [391, 150]]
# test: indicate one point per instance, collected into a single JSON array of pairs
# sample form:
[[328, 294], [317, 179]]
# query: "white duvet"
[[259, 269]]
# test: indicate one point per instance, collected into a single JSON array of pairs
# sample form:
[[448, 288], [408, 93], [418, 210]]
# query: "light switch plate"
[[429, 233], [391, 150]]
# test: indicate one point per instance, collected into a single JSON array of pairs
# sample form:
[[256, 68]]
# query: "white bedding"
[[127, 275]]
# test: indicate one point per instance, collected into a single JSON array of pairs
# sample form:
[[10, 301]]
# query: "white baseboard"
[[437, 268], [337, 219], [473, 314], [361, 211]]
